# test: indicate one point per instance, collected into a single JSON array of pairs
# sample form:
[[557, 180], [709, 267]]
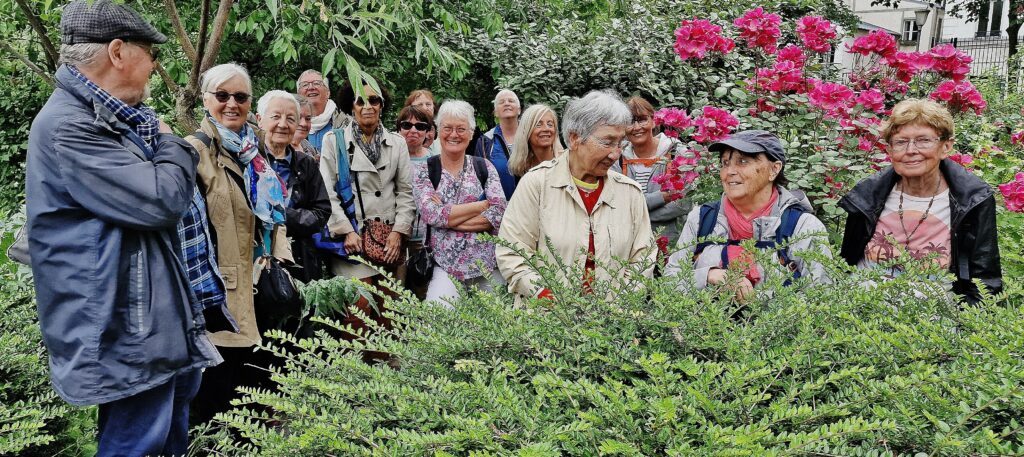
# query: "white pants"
[[442, 286]]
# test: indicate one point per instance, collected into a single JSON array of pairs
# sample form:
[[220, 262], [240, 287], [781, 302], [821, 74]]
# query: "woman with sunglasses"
[[246, 203], [382, 188], [924, 206], [414, 124], [647, 155], [423, 99]]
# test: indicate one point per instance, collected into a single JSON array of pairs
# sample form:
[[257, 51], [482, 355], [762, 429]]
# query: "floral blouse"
[[455, 251]]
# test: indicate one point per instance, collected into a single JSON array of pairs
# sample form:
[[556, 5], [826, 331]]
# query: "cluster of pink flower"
[[695, 38], [877, 42], [714, 124], [759, 29], [863, 129], [675, 120], [965, 160], [816, 33], [959, 96], [950, 62], [785, 75], [1013, 193], [680, 173], [1017, 138], [833, 98]]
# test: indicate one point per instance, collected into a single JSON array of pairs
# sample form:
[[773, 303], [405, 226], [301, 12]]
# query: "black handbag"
[[422, 262], [277, 298]]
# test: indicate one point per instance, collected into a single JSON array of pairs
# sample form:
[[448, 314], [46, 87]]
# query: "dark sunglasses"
[[374, 101], [406, 125], [223, 96]]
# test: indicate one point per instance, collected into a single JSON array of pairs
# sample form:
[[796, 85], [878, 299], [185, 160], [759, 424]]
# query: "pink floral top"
[[458, 252]]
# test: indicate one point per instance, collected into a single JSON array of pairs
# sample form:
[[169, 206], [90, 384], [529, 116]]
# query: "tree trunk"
[[52, 56], [1013, 27]]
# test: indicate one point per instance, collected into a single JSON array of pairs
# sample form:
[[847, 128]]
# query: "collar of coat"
[[616, 186], [966, 191], [359, 160], [74, 86], [223, 158]]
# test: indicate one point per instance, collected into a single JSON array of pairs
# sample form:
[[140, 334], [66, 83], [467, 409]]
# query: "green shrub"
[[839, 369]]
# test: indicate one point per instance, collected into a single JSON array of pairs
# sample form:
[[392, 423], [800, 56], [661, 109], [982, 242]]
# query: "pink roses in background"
[[833, 98], [1013, 193], [816, 33], [877, 42], [695, 38], [679, 174], [960, 96], [759, 29], [950, 62], [714, 124]]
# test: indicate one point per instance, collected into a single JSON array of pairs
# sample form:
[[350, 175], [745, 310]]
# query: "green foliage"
[[18, 107], [33, 420], [839, 369]]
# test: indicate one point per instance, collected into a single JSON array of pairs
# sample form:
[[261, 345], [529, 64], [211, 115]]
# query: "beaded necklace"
[[924, 216]]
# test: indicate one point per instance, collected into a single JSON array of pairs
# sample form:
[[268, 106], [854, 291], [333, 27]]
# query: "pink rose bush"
[[964, 160], [877, 42], [832, 98], [679, 175], [675, 121], [759, 29], [950, 62], [714, 124], [1013, 193], [696, 38], [960, 96], [816, 33]]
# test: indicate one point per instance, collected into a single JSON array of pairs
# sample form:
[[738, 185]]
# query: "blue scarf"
[[141, 118], [265, 191]]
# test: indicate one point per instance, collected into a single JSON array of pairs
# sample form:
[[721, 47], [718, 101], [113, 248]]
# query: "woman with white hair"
[[574, 201], [536, 142], [279, 114], [247, 205], [459, 197], [494, 145]]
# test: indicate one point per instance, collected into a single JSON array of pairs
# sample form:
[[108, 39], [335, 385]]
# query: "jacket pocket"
[[138, 293], [230, 277]]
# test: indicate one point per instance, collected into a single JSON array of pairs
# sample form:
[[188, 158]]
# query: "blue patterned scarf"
[[141, 118], [267, 194]]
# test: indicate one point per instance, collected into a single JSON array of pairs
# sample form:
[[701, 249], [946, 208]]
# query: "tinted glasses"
[[152, 50], [223, 96], [406, 125], [373, 99]]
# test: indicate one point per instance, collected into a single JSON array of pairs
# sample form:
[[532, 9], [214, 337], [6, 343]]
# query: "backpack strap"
[[202, 137], [708, 219], [434, 170], [787, 226], [480, 169]]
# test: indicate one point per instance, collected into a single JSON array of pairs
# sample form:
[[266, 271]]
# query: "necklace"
[[923, 216]]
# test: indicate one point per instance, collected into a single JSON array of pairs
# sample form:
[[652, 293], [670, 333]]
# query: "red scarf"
[[742, 228], [589, 202]]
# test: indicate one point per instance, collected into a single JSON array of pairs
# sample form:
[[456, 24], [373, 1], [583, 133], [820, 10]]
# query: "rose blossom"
[[714, 124], [1017, 138], [830, 97], [950, 62], [695, 38], [759, 29], [816, 33], [878, 42], [959, 96], [871, 99], [1013, 193]]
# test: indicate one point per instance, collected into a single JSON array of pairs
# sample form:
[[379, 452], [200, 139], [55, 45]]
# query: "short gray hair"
[[81, 54], [311, 72], [455, 109], [261, 106], [505, 91], [220, 74], [599, 107], [303, 101]]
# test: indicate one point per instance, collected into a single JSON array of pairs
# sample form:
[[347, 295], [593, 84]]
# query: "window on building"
[[910, 30], [990, 18]]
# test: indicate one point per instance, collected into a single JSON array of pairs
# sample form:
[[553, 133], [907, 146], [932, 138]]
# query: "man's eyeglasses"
[[310, 84], [421, 126], [153, 51], [223, 96], [373, 99], [923, 144]]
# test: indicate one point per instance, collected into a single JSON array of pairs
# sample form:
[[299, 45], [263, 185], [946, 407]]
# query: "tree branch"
[[179, 30], [172, 86], [204, 20], [217, 34], [52, 56], [28, 63]]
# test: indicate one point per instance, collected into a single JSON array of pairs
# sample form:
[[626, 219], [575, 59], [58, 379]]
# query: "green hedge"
[[839, 369]]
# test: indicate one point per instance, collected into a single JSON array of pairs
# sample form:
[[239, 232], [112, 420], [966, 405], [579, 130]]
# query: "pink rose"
[[695, 38], [816, 33], [759, 29]]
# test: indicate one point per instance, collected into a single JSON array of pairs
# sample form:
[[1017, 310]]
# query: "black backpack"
[[434, 169]]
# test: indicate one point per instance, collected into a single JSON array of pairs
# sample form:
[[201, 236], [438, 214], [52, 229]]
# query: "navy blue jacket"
[[116, 312]]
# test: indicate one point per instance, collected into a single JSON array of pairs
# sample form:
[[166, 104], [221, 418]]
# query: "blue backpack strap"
[[708, 219], [787, 226]]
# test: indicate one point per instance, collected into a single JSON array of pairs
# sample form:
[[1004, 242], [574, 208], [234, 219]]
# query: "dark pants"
[[241, 367], [154, 422]]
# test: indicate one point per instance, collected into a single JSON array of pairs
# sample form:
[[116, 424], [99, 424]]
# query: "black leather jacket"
[[975, 248]]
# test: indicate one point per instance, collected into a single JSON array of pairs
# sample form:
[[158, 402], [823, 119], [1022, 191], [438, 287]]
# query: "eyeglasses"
[[311, 84], [223, 96], [373, 99], [421, 126], [641, 120], [923, 144], [447, 130], [153, 51]]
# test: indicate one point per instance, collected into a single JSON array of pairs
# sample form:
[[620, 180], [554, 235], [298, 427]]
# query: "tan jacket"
[[546, 205], [234, 226]]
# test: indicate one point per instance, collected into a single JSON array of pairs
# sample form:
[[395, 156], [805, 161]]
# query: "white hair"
[[458, 110], [81, 54], [505, 92], [264, 103], [311, 72], [599, 107], [220, 74]]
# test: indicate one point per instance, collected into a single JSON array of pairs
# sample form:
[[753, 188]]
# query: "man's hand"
[[353, 243], [393, 248]]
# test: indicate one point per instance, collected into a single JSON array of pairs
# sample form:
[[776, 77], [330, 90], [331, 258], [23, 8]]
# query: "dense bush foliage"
[[838, 369]]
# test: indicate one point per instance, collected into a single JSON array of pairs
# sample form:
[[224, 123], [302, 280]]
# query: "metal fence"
[[990, 54]]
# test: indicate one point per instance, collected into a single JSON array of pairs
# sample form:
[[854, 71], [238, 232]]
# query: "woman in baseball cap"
[[755, 205]]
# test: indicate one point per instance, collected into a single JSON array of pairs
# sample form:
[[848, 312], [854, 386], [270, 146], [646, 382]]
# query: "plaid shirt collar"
[[142, 119]]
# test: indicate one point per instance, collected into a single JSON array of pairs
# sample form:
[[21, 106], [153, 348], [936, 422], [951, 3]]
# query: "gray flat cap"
[[753, 142], [102, 21]]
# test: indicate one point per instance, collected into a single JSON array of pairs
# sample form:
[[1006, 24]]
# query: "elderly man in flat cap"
[[108, 188]]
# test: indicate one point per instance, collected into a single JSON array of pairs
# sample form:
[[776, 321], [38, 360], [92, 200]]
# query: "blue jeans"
[[154, 422]]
